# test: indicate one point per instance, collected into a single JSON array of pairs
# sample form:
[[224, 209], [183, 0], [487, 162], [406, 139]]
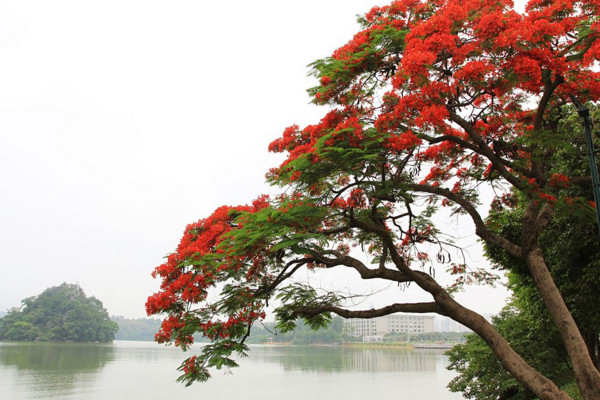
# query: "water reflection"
[[340, 358], [64, 357], [54, 369], [130, 370]]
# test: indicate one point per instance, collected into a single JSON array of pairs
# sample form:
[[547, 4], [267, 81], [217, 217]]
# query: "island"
[[59, 314]]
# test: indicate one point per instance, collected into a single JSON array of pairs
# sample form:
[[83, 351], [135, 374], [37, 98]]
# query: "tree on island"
[[431, 103], [59, 314]]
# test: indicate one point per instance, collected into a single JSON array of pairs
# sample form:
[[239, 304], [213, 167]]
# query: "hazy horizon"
[[124, 121]]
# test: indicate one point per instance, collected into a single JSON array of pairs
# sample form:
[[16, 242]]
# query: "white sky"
[[123, 121]]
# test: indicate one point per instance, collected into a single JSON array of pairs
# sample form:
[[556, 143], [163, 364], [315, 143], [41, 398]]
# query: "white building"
[[411, 323]]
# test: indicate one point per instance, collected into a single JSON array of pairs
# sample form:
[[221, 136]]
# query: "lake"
[[145, 370]]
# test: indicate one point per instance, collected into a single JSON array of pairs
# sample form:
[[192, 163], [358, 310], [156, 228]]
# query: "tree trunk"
[[530, 378], [586, 374], [527, 376]]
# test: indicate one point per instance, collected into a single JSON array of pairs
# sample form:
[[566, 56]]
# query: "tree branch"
[[373, 313], [480, 229], [544, 217], [486, 151], [361, 268]]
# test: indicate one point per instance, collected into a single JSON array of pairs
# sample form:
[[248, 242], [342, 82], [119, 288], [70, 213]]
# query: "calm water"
[[144, 370]]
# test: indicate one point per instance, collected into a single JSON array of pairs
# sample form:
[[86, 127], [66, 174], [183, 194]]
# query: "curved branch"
[[373, 313], [468, 145], [284, 274], [486, 151], [549, 88], [461, 142], [360, 267], [425, 281], [480, 229]]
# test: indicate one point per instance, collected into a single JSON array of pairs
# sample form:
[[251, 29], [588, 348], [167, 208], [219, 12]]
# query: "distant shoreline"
[[374, 345], [380, 345]]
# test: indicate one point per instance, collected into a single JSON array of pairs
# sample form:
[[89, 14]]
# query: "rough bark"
[[584, 367], [508, 357], [530, 378], [586, 374]]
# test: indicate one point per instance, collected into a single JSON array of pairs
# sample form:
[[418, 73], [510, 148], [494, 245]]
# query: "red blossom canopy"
[[431, 99]]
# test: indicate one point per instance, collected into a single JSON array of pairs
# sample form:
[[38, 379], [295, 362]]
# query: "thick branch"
[[468, 145], [549, 88], [444, 304], [544, 217], [461, 142], [361, 268], [373, 313], [334, 231], [581, 180], [486, 151], [511, 360], [380, 231], [586, 374], [480, 229]]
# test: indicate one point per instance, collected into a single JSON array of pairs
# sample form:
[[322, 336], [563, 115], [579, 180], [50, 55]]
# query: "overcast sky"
[[123, 121]]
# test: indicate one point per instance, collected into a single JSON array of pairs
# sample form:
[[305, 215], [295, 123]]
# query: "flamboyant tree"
[[431, 103]]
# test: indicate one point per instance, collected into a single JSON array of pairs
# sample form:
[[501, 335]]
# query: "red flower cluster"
[[405, 141], [200, 262], [559, 180]]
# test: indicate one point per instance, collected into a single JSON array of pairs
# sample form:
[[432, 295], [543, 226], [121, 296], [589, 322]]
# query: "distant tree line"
[[337, 332], [303, 334], [59, 314], [145, 329], [136, 329], [426, 337]]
